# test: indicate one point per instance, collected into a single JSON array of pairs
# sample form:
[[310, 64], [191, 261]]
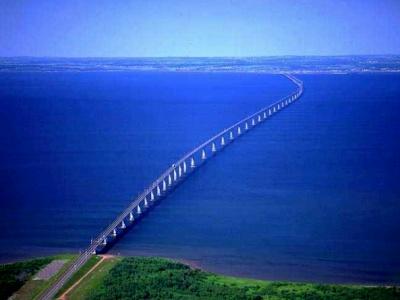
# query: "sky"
[[159, 28]]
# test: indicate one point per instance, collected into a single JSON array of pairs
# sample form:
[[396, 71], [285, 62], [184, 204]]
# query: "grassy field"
[[93, 281], [81, 272], [19, 277], [258, 289], [155, 278], [13, 276]]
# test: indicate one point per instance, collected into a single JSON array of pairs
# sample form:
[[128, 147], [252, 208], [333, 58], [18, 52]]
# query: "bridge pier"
[[222, 141], [158, 191], [114, 233], [184, 167], [179, 171], [164, 185], [239, 130], [231, 137], [246, 126], [175, 175], [203, 154], [131, 217], [169, 180], [213, 148], [192, 163], [123, 226], [138, 210]]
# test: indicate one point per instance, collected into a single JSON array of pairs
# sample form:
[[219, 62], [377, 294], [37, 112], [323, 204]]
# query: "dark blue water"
[[312, 194]]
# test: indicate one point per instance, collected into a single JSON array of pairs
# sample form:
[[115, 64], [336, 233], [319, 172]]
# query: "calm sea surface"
[[313, 194]]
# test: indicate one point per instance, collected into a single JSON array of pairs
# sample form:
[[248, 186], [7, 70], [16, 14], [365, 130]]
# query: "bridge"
[[175, 174]]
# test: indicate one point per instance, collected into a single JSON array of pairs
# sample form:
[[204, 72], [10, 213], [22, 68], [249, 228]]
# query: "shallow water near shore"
[[310, 195]]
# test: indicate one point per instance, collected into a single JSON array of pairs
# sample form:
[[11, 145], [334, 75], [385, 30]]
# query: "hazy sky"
[[198, 28]]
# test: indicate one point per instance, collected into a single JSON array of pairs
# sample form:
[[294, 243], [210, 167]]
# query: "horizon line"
[[190, 57]]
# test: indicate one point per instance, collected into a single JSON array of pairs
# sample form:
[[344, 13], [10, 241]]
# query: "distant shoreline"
[[208, 71], [263, 65]]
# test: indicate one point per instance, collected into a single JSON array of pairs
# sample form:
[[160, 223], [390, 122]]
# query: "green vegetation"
[[155, 278], [33, 288], [13, 276], [81, 272], [93, 281], [257, 289], [18, 277]]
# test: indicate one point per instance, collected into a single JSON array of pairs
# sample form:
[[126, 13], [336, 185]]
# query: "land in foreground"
[[158, 278], [20, 279]]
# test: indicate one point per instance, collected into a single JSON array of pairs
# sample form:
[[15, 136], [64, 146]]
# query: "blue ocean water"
[[310, 195]]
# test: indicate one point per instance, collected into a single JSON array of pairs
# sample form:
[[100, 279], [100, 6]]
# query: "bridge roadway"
[[178, 171]]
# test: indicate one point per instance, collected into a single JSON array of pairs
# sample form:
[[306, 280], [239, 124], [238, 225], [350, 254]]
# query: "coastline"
[[258, 64], [91, 278], [196, 264]]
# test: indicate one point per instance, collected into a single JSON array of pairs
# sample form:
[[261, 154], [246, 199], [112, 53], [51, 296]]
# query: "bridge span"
[[169, 179]]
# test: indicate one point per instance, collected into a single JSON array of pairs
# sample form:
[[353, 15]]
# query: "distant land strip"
[[271, 65]]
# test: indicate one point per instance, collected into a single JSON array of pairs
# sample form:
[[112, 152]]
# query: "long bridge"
[[169, 179]]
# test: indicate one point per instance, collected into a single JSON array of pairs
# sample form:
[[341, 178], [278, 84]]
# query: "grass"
[[155, 278], [13, 276], [32, 288], [93, 281], [18, 277], [82, 271], [288, 290]]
